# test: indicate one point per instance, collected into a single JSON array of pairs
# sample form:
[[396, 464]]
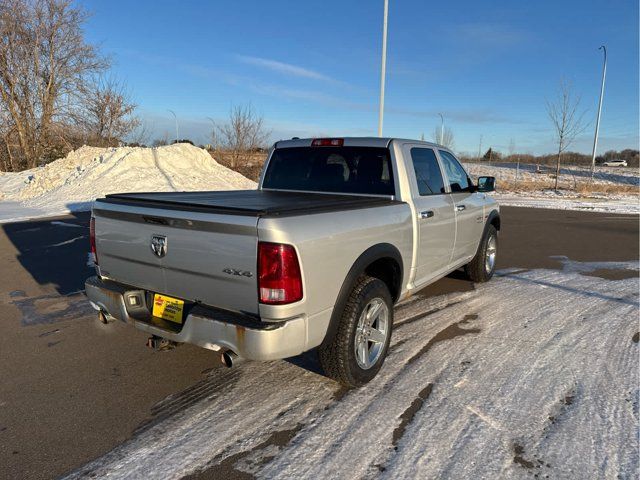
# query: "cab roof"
[[353, 142]]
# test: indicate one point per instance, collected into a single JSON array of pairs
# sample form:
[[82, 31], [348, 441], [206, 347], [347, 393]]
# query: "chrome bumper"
[[268, 341]]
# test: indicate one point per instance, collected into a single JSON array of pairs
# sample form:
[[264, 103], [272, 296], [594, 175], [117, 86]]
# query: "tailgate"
[[207, 257]]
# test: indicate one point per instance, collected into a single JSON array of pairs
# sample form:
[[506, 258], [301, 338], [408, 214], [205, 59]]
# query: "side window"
[[458, 179], [428, 174]]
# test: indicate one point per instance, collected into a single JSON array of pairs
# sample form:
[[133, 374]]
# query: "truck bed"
[[256, 203]]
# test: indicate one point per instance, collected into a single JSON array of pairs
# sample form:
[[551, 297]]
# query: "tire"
[[483, 266], [338, 357]]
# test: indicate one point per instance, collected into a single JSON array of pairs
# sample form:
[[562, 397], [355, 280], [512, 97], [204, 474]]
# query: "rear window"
[[363, 170]]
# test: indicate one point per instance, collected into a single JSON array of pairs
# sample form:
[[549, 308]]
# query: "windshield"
[[363, 170]]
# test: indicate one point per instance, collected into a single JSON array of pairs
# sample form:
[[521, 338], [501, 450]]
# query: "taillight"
[[279, 277], [92, 239], [327, 142]]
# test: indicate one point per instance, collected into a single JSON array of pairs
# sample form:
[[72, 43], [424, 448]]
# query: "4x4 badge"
[[239, 273]]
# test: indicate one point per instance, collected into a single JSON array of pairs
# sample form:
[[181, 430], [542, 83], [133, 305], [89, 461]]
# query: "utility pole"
[[176, 119], [441, 128], [383, 67], [595, 137], [480, 148]]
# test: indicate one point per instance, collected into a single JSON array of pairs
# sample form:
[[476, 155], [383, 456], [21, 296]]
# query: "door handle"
[[426, 214], [460, 208]]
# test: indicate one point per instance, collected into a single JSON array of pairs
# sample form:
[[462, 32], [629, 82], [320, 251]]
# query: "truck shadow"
[[53, 250], [452, 283], [308, 361]]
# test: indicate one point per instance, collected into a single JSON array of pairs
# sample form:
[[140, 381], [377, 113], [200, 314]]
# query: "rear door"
[[468, 207], [434, 212], [205, 257]]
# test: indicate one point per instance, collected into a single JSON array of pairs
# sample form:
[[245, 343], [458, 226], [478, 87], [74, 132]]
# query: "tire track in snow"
[[249, 461], [409, 413], [156, 162], [449, 333]]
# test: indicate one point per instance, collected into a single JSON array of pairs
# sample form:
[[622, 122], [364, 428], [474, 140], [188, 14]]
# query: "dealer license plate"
[[167, 308]]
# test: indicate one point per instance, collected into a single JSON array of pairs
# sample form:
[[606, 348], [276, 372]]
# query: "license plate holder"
[[168, 308]]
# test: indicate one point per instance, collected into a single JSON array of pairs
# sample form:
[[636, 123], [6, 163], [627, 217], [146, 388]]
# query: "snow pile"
[[73, 182]]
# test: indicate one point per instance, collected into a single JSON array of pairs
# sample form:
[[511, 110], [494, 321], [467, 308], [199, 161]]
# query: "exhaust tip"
[[229, 358]]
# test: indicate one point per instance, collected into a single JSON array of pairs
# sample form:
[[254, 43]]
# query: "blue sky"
[[312, 68]]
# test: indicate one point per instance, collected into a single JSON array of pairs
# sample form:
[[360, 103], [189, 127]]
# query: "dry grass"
[[608, 188], [250, 165], [580, 188], [523, 186]]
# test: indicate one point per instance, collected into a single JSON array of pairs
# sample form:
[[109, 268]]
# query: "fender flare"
[[370, 255], [494, 217]]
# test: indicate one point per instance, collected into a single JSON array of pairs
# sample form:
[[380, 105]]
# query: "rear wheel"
[[483, 265], [357, 351]]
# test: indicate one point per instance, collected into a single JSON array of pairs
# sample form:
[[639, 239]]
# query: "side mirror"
[[486, 184]]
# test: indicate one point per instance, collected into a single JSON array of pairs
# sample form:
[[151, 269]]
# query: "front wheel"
[[357, 351], [483, 265]]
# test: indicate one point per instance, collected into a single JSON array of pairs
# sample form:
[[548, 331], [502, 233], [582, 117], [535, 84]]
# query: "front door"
[[468, 208]]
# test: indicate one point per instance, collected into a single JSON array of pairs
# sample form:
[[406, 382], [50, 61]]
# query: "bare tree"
[[567, 121], [109, 114], [243, 133], [161, 142], [6, 155], [447, 137], [44, 66], [141, 135]]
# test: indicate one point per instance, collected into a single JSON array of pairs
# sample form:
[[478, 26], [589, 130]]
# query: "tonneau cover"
[[259, 203]]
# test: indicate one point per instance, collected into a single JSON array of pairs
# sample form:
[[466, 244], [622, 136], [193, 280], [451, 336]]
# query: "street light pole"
[[176, 119], [383, 67], [213, 131], [441, 128], [595, 137]]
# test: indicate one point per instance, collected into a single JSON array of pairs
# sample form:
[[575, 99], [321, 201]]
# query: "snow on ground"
[[533, 373], [563, 200], [73, 182]]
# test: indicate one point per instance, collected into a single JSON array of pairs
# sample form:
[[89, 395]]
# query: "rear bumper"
[[209, 329]]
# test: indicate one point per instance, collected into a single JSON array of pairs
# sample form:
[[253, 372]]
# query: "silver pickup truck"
[[338, 231]]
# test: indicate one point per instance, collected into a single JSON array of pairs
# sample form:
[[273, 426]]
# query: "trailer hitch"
[[161, 344]]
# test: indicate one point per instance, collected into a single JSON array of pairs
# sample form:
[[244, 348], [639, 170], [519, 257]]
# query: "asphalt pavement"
[[71, 388]]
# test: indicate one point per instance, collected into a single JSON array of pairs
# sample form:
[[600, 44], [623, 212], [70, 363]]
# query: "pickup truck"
[[337, 232]]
